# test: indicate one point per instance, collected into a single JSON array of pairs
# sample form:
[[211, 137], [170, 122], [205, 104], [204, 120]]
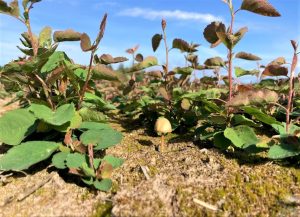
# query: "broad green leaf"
[[247, 56], [102, 139], [220, 141], [103, 185], [15, 126], [75, 160], [114, 161], [241, 136], [62, 115], [91, 137], [283, 151], [93, 126], [156, 39], [45, 38], [260, 116], [92, 115], [54, 61], [242, 120], [73, 124], [281, 128], [98, 101], [67, 35], [81, 73], [23, 156], [241, 72], [59, 160], [261, 7]]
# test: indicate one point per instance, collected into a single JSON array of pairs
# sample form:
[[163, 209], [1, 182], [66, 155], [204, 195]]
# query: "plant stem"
[[91, 156], [167, 54], [230, 54], [81, 95], [291, 91], [28, 25]]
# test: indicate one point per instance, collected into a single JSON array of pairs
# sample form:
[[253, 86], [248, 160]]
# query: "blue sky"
[[132, 22]]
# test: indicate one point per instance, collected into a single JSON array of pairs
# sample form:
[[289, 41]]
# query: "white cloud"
[[174, 14]]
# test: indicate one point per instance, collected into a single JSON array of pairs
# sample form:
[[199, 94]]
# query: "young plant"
[[49, 122], [216, 33]]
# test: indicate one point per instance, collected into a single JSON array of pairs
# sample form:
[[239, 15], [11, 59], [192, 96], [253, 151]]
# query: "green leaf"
[[241, 72], [156, 39], [283, 151], [114, 161], [15, 126], [27, 154], [59, 160], [92, 115], [54, 61], [242, 120], [260, 116], [73, 124], [75, 160], [261, 7], [45, 38], [241, 136], [62, 115], [87, 170], [67, 35], [220, 141], [91, 137], [98, 101], [94, 126], [103, 185], [101, 139], [281, 128]]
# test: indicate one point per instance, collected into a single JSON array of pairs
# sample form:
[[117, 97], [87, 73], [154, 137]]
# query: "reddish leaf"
[[262, 7], [67, 35], [210, 32], [85, 43], [275, 70], [247, 56]]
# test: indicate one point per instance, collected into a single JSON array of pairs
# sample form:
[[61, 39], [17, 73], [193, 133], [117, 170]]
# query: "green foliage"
[[59, 117], [15, 126], [26, 154], [241, 136]]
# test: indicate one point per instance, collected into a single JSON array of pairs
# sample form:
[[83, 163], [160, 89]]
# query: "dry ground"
[[188, 180]]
